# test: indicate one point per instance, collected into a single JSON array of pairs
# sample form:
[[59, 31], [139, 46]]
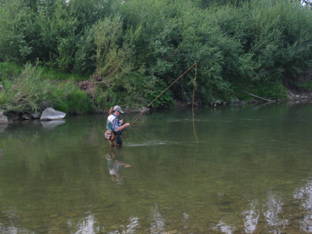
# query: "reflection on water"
[[52, 123], [224, 228], [272, 211], [115, 161], [87, 225], [250, 173], [304, 194], [147, 143], [158, 222], [251, 218]]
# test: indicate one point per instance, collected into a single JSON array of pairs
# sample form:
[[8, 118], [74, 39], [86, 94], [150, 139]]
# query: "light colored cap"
[[118, 108]]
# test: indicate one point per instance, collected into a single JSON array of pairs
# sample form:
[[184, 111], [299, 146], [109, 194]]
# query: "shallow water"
[[249, 173]]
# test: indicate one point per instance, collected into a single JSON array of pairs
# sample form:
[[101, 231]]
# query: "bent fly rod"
[[193, 109]]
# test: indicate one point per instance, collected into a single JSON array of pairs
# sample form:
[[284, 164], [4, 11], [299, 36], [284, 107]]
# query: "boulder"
[[51, 114]]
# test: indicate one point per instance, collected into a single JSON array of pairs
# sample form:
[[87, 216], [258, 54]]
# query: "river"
[[250, 172]]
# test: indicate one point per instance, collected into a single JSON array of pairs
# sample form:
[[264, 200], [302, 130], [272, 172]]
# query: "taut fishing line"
[[193, 108]]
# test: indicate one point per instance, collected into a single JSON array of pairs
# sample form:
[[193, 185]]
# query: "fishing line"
[[193, 108], [193, 164]]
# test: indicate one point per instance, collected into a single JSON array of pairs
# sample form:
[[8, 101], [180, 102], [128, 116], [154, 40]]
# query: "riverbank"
[[292, 97], [11, 117]]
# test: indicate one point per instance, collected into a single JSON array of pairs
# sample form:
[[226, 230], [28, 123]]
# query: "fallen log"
[[264, 99]]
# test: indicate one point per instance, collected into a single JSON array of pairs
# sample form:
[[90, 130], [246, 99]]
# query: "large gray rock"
[[51, 114]]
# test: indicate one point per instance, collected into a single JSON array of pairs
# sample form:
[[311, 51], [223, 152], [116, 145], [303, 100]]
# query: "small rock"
[[3, 118], [26, 116], [36, 115]]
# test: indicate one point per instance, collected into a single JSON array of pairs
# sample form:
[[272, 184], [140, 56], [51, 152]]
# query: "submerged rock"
[[51, 114]]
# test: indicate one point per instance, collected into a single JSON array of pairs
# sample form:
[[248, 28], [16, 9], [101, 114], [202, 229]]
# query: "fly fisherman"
[[115, 127]]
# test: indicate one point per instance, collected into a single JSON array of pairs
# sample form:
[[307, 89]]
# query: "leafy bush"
[[70, 99], [28, 90], [13, 20], [164, 100], [111, 58], [270, 90], [131, 90], [85, 59], [8, 71], [306, 86], [53, 74], [239, 46]]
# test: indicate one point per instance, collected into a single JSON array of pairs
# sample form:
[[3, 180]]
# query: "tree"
[[14, 17]]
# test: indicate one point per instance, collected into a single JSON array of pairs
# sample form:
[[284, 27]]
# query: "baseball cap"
[[118, 108]]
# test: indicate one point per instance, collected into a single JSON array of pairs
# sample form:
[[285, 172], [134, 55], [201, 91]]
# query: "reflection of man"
[[114, 161]]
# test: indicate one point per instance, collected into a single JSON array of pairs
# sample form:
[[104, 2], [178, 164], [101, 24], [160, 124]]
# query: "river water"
[[250, 172]]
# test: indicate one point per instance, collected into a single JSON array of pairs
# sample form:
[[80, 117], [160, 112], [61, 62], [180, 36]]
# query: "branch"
[[264, 99]]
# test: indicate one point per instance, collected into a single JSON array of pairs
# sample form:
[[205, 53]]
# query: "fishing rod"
[[193, 108]]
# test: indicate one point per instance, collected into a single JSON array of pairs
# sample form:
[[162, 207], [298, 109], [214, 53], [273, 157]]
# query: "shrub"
[[164, 100], [112, 58], [27, 91], [68, 98], [8, 71], [131, 90], [13, 20], [30, 88]]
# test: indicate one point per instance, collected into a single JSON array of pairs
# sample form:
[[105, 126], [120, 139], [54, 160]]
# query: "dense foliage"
[[136, 48]]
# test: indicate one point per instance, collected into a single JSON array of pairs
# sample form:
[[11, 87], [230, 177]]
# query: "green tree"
[[13, 23]]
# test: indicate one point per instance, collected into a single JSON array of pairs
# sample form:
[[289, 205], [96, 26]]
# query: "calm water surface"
[[251, 172]]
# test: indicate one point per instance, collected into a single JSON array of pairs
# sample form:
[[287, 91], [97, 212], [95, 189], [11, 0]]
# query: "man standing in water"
[[114, 127]]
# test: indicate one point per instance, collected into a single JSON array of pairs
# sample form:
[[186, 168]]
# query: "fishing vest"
[[109, 122]]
